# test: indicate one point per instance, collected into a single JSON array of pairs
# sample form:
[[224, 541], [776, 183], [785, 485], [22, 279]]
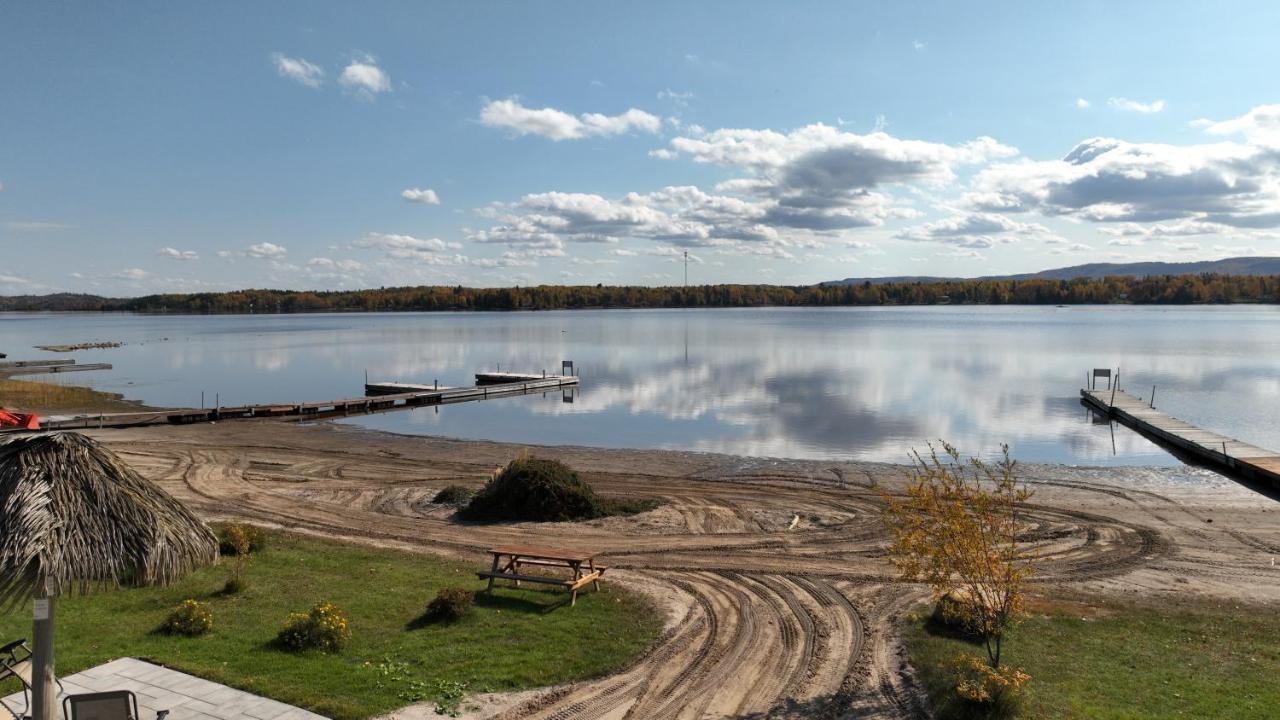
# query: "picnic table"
[[508, 559]]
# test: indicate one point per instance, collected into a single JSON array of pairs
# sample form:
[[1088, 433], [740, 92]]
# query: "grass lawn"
[[1157, 658], [518, 639]]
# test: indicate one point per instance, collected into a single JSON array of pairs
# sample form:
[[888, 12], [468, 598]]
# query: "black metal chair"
[[15, 662], [113, 705]]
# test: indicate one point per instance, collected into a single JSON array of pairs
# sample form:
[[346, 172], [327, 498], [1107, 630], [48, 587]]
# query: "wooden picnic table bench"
[[508, 559]]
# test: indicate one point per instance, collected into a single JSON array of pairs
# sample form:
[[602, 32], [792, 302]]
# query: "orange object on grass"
[[28, 421]]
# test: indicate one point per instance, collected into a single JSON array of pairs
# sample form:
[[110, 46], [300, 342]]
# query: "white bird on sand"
[[796, 521]]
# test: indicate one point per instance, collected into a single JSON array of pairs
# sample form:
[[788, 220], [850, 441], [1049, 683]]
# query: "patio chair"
[[15, 662], [113, 705]]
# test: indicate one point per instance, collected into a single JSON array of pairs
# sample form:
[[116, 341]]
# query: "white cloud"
[[1082, 103], [679, 99], [1127, 105], [1261, 125], [297, 69], [178, 254], [1191, 189], [432, 251], [364, 78], [130, 274], [819, 178], [976, 230], [919, 45], [425, 196], [558, 125], [325, 263], [265, 251], [13, 280]]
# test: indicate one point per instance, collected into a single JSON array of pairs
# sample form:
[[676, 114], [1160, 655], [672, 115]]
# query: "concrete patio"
[[186, 697]]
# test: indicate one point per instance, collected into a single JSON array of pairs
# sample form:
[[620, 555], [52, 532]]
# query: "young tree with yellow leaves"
[[957, 530]]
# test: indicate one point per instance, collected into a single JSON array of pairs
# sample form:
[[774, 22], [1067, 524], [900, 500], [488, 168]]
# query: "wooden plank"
[[543, 552], [499, 575]]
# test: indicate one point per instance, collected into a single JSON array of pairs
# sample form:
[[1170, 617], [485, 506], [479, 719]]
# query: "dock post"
[[201, 399], [1152, 404], [1115, 385]]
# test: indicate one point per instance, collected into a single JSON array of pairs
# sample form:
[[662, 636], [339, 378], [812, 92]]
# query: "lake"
[[838, 383]]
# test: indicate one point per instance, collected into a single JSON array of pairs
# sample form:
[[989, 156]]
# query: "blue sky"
[[149, 147]]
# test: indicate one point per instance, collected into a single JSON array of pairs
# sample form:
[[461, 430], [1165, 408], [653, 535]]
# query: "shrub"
[[324, 628], [450, 604], [982, 691], [235, 584], [453, 495], [191, 618], [238, 539], [951, 616], [530, 488]]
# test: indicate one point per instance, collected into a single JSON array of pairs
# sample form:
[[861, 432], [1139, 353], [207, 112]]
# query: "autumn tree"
[[957, 529]]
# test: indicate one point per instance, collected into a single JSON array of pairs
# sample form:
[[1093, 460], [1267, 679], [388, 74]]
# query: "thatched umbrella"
[[73, 517]]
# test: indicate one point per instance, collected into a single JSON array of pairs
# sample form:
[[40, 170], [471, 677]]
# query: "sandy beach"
[[780, 600]]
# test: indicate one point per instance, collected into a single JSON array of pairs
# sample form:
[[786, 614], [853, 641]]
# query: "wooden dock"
[[309, 410], [500, 378], [1209, 448], [399, 388], [47, 367]]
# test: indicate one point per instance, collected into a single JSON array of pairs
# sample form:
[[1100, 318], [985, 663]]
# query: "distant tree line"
[[1169, 289]]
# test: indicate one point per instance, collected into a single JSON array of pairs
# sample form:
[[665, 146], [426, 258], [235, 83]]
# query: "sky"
[[188, 147]]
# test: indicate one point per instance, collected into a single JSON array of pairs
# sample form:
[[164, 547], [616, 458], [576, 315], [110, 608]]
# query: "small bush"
[[234, 585], [530, 488], [239, 539], [324, 628], [453, 495], [982, 691], [449, 605], [950, 617], [191, 618]]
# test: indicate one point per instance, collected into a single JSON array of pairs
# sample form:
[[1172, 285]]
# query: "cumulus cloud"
[[1082, 103], [976, 230], [178, 254], [6, 279], [299, 70], [425, 196], [822, 179], [1225, 183], [558, 125], [325, 263], [1127, 105], [364, 78], [133, 274], [266, 251], [432, 251]]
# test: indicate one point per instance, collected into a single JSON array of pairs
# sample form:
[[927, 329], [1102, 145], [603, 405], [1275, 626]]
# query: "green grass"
[[1163, 658], [519, 639]]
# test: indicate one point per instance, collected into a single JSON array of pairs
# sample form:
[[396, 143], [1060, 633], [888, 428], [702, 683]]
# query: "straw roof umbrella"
[[73, 517]]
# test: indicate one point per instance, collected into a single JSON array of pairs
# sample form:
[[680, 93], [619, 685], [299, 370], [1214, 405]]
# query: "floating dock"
[[499, 378], [399, 388], [1209, 448], [309, 410]]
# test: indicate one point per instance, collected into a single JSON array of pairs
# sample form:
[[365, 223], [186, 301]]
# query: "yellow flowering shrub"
[[977, 683], [325, 627], [191, 618]]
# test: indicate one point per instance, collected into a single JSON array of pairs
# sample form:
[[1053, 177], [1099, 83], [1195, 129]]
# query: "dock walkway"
[[1212, 449], [310, 410]]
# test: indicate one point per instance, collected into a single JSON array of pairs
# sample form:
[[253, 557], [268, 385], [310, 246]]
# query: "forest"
[[1168, 289]]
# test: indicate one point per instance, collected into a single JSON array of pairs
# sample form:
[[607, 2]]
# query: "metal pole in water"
[[1115, 385], [201, 399], [1153, 397]]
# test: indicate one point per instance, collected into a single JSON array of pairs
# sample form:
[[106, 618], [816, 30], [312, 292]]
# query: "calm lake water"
[[865, 383]]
